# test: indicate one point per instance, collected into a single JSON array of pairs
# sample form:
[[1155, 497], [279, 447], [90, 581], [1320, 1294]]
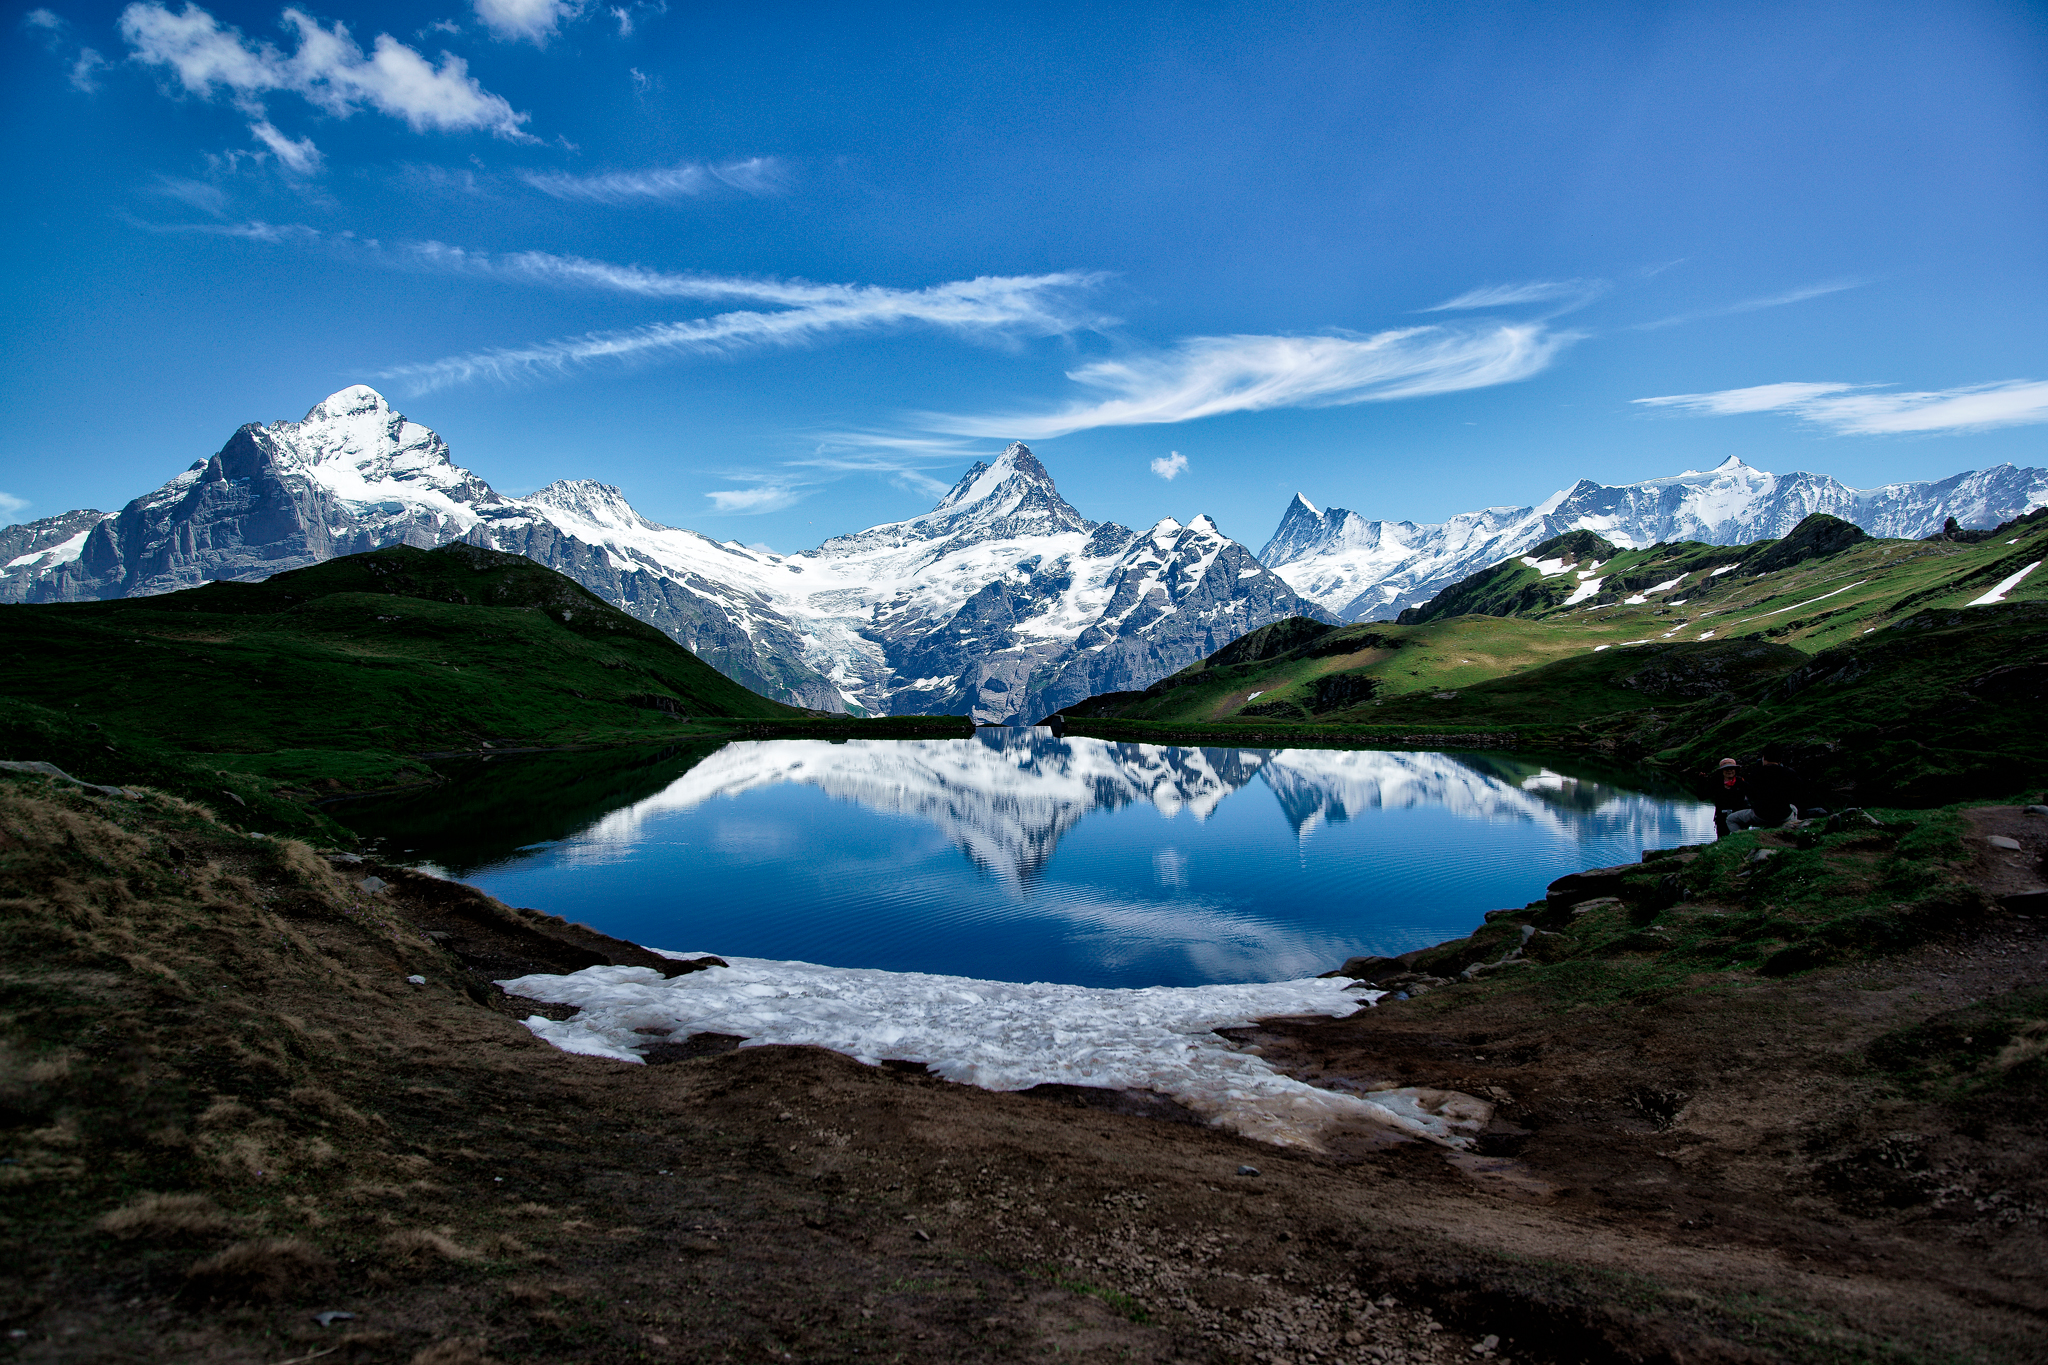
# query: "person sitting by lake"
[[1779, 793], [1734, 808]]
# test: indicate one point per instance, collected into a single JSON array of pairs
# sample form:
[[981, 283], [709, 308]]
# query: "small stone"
[[1247, 1170], [373, 884], [921, 1235], [332, 1316], [417, 980], [2001, 841], [2035, 810]]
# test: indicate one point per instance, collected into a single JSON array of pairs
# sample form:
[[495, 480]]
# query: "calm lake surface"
[[1018, 856]]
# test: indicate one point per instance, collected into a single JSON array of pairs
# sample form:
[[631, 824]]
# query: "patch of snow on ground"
[[1822, 598], [1725, 568], [1998, 593], [1588, 587], [1549, 568], [1002, 1035]]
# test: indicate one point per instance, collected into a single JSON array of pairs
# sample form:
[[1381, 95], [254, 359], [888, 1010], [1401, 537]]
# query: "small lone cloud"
[[297, 155], [9, 504], [42, 18], [86, 70], [1170, 466]]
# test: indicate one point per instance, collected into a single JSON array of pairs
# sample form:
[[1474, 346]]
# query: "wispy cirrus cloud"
[[9, 504], [1867, 410], [328, 70], [989, 309], [760, 176], [1529, 291], [767, 497], [1209, 376], [254, 230], [1799, 295]]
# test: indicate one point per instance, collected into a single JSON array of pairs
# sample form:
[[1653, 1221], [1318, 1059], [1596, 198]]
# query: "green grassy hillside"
[[1863, 652], [353, 674]]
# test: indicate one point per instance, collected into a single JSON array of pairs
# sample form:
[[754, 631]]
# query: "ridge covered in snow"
[[1361, 569], [1002, 602]]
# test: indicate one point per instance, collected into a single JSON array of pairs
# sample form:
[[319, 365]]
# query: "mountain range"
[[1003, 602], [1363, 570]]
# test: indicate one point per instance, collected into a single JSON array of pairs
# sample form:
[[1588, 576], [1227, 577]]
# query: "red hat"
[[1727, 763]]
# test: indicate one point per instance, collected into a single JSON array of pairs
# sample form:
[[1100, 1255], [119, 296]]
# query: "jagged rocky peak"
[[601, 504], [1013, 496]]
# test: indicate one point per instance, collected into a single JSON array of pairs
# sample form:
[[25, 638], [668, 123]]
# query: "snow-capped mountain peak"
[[597, 504]]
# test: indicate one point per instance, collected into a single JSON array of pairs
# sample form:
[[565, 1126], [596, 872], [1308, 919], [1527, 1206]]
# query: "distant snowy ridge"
[[1361, 569], [1002, 601]]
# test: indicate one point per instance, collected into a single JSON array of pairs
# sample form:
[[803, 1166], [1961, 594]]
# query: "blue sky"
[[780, 272]]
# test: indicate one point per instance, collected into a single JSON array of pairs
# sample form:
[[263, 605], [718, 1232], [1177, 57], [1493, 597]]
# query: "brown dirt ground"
[[1713, 1179]]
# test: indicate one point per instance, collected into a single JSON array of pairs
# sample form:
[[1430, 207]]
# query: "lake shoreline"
[[421, 1160]]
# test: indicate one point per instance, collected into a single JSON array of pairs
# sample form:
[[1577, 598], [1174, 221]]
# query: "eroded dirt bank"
[[226, 1109]]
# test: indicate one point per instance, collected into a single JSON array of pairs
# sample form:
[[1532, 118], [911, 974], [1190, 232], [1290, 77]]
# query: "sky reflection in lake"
[[1019, 856]]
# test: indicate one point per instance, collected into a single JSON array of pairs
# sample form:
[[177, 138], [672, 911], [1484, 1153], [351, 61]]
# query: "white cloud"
[[1862, 410], [85, 71], [1208, 376], [1531, 291], [990, 308], [760, 175], [769, 498], [1170, 466], [1799, 295], [329, 71], [298, 156], [42, 18], [9, 504], [533, 20], [255, 230], [197, 193]]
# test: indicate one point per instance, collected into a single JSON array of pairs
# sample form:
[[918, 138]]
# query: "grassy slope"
[[1669, 661], [349, 675]]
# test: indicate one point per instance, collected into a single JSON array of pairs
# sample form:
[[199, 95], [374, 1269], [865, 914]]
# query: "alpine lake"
[[1021, 856]]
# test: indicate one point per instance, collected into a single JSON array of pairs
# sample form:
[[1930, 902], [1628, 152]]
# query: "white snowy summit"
[[1002, 601], [1362, 569]]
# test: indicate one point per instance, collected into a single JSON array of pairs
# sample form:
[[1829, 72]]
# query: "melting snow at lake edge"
[[1006, 1036], [1129, 905]]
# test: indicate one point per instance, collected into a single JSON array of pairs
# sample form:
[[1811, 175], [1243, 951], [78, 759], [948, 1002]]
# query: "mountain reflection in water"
[[848, 852]]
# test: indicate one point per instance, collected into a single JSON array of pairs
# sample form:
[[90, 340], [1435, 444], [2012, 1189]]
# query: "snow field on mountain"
[[1002, 1035]]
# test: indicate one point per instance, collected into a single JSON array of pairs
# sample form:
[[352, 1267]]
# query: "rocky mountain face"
[[1002, 601], [1362, 569]]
